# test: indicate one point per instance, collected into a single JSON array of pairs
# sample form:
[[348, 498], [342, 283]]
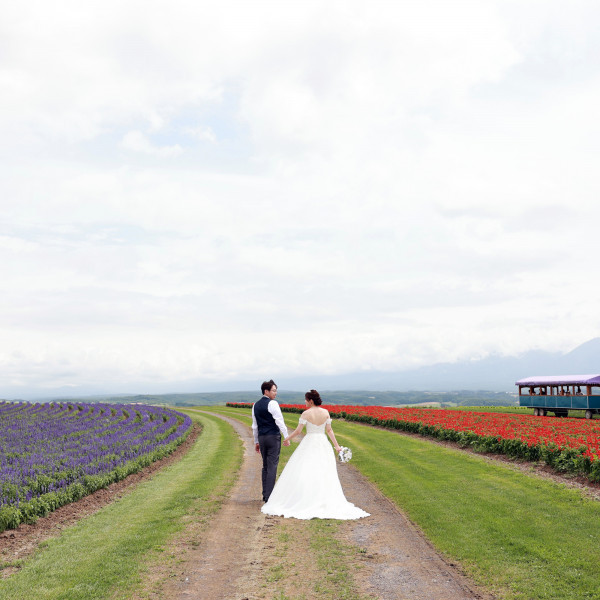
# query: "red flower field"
[[567, 444]]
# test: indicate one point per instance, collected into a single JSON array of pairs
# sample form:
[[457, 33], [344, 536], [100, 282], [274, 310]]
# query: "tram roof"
[[560, 380]]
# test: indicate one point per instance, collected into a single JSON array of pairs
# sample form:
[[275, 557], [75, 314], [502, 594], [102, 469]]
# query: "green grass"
[[312, 545], [332, 558], [523, 537], [107, 554]]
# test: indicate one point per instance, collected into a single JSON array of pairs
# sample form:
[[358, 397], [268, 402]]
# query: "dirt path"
[[245, 555], [404, 564], [220, 565]]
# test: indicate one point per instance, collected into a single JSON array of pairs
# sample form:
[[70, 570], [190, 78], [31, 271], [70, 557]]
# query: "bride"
[[309, 486]]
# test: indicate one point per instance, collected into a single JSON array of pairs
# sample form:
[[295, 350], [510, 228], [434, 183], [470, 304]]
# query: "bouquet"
[[345, 454]]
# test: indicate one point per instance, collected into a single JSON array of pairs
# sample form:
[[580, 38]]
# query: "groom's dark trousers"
[[269, 442], [270, 446]]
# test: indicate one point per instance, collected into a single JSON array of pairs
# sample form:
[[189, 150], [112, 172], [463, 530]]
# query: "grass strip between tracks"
[[519, 536], [107, 554]]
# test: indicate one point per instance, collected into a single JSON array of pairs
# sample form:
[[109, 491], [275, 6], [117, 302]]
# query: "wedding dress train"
[[309, 485]]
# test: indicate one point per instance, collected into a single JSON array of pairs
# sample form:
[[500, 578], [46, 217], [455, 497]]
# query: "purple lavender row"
[[47, 447]]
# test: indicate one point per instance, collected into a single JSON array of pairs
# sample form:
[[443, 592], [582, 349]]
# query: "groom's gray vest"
[[264, 419]]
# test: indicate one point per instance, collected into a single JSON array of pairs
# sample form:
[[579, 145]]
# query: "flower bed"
[[571, 445], [53, 454]]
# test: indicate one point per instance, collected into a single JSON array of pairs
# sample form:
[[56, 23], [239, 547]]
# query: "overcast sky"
[[244, 190]]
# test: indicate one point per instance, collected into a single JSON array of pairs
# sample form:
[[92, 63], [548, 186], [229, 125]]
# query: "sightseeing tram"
[[560, 393]]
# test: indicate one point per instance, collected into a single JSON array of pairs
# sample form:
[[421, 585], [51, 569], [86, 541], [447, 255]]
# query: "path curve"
[[397, 561]]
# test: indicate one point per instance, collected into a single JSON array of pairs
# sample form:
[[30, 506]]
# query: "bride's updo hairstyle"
[[314, 396]]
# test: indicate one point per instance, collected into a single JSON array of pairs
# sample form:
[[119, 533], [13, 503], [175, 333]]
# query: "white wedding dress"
[[309, 485]]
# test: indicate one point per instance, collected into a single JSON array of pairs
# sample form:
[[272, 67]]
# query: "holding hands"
[[286, 442]]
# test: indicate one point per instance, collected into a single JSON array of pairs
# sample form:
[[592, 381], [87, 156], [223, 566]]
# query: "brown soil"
[[16, 544]]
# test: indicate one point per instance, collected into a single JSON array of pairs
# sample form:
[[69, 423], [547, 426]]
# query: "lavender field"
[[53, 454]]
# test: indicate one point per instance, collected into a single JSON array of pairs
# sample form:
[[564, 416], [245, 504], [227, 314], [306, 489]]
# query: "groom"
[[267, 423]]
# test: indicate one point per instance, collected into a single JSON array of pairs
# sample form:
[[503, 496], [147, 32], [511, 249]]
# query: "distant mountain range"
[[497, 373], [494, 373]]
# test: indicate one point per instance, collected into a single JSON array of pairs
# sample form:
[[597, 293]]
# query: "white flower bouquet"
[[345, 454]]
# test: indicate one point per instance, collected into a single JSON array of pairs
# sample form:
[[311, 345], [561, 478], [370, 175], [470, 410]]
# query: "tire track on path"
[[398, 561], [214, 569]]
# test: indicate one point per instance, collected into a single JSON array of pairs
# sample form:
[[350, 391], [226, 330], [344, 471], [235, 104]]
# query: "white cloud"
[[136, 141], [369, 185], [202, 133]]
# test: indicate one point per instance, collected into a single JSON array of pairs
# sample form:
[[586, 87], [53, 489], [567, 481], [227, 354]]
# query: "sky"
[[196, 192]]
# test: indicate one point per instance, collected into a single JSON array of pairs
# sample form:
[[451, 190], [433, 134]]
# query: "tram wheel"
[[536, 412], [589, 414]]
